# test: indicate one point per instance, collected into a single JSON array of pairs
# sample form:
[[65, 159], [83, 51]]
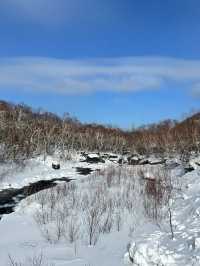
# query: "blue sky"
[[119, 62]]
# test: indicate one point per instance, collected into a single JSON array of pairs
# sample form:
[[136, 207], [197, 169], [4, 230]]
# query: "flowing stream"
[[10, 197]]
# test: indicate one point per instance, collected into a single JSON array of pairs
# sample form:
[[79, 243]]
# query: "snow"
[[15, 176], [151, 242], [93, 155], [195, 162], [21, 238], [155, 246]]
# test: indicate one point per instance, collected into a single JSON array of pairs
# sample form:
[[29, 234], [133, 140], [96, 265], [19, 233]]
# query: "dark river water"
[[10, 197]]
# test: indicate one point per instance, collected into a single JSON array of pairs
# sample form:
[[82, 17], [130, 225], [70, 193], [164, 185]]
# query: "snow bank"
[[155, 246]]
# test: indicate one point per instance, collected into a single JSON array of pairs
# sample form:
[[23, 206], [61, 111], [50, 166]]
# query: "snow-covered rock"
[[56, 165], [194, 163], [172, 163], [154, 160], [134, 160], [94, 158]]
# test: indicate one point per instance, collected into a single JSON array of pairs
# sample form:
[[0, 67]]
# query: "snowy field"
[[104, 219], [33, 170]]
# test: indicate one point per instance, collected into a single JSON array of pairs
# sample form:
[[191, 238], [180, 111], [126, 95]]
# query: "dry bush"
[[72, 229], [92, 222], [87, 209], [157, 189], [30, 261]]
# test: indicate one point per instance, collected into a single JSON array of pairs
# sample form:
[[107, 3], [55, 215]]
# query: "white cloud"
[[84, 76]]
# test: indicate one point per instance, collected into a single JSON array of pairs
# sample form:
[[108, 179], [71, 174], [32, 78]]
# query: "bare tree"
[[93, 215]]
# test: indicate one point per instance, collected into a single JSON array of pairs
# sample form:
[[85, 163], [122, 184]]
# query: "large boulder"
[[195, 162], [144, 161], [111, 157], [134, 159], [148, 160], [172, 163], [192, 165], [153, 161], [93, 158], [126, 152], [55, 166], [122, 160]]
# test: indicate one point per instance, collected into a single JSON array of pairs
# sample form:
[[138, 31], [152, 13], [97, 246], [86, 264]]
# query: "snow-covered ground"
[[151, 242], [21, 237], [33, 170]]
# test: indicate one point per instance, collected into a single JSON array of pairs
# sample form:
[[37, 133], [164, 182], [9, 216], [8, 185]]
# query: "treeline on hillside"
[[25, 132]]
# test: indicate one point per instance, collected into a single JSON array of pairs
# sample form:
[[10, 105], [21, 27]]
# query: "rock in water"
[[56, 166]]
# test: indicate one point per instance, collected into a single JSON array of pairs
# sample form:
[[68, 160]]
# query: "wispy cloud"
[[87, 76]]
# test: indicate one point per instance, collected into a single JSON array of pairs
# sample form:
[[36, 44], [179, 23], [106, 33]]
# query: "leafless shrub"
[[118, 220], [93, 215], [84, 210], [59, 228], [157, 191], [72, 229], [107, 222], [30, 261], [42, 216], [100, 207], [170, 221], [12, 262]]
